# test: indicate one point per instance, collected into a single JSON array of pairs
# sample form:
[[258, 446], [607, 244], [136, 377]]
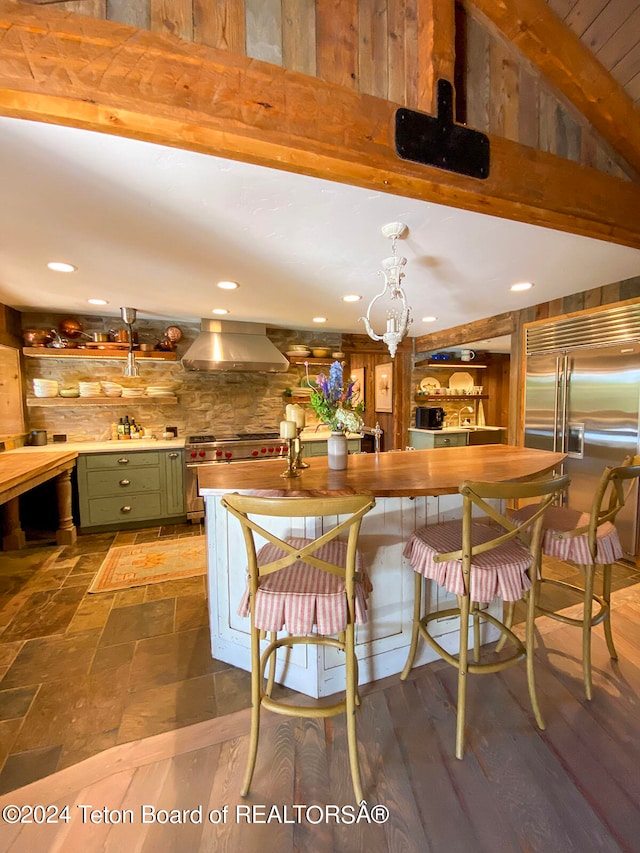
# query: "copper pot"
[[71, 328], [37, 337], [122, 335]]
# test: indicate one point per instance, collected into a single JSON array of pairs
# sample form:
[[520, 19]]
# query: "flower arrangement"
[[334, 403]]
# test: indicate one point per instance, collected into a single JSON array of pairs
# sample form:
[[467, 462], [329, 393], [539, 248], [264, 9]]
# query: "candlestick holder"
[[291, 470], [300, 463]]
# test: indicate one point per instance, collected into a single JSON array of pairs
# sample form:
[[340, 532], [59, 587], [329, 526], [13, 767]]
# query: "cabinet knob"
[[125, 482], [173, 456], [123, 460], [446, 441], [125, 509]]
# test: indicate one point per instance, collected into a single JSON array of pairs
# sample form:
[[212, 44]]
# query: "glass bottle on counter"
[[127, 427]]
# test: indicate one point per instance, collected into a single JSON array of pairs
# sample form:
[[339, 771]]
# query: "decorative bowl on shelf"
[[320, 352]]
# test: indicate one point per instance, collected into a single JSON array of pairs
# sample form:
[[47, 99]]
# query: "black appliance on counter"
[[429, 417]]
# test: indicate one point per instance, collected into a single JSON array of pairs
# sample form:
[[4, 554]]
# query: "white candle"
[[287, 429], [297, 415]]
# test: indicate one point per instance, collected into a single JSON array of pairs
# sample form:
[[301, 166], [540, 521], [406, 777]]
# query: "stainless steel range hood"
[[229, 345]]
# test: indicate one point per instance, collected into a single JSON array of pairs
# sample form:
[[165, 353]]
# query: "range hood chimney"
[[229, 345]]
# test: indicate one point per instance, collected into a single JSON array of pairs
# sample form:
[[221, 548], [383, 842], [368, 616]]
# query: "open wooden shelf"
[[442, 398], [111, 354], [451, 364], [44, 402], [294, 359]]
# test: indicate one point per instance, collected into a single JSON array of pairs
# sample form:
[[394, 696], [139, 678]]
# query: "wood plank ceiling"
[[610, 29]]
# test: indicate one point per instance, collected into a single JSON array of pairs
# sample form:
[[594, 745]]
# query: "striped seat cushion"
[[501, 572], [301, 596], [559, 519]]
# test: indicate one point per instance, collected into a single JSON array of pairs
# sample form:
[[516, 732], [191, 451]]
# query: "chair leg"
[[256, 698], [463, 674], [351, 691], [476, 633], [587, 615], [530, 644], [272, 666], [508, 608], [415, 628], [606, 597]]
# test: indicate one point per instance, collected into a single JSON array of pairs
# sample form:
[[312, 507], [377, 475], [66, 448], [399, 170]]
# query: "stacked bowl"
[[45, 387], [133, 392], [159, 391], [111, 389], [90, 389]]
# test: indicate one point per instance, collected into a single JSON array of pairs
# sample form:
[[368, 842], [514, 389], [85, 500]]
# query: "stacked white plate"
[[159, 391], [45, 387], [111, 389], [133, 392], [90, 389]]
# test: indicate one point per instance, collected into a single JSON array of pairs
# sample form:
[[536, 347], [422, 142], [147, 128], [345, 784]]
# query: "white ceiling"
[[155, 228]]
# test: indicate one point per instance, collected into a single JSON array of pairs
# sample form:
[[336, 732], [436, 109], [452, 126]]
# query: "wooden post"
[[13, 536], [66, 533]]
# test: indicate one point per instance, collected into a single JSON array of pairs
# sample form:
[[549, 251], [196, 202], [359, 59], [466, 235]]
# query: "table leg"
[[13, 536], [66, 533]]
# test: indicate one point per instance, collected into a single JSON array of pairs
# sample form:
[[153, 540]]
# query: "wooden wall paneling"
[[299, 36], [134, 13], [373, 59], [396, 48], [10, 327], [528, 106], [92, 8], [626, 69], [548, 121], [568, 135], [588, 147], [478, 76], [630, 288], [264, 30], [504, 73], [615, 19], [435, 39], [173, 17], [337, 41], [220, 24]]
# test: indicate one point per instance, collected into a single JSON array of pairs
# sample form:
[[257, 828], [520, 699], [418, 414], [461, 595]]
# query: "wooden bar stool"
[[479, 559], [312, 588], [589, 539]]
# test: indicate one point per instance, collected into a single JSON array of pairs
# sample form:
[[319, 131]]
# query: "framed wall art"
[[357, 377], [384, 387]]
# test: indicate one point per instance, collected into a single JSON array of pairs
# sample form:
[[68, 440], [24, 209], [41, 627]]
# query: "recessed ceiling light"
[[60, 266], [351, 297], [522, 285], [319, 319], [430, 319], [228, 285], [98, 301], [220, 311]]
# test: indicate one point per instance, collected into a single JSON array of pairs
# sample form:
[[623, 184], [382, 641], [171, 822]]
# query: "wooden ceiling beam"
[[571, 68], [488, 327], [68, 69]]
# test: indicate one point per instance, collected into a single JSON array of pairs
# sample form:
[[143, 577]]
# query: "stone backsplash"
[[216, 402]]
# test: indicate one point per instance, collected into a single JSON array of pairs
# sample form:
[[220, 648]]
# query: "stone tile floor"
[[80, 673]]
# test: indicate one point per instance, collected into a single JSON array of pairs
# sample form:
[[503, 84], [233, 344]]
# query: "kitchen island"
[[412, 488]]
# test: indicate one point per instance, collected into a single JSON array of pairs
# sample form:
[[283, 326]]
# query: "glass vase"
[[337, 451]]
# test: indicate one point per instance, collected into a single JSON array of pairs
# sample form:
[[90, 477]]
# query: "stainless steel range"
[[214, 450]]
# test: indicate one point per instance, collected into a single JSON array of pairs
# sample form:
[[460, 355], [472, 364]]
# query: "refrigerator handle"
[[557, 431], [565, 404]]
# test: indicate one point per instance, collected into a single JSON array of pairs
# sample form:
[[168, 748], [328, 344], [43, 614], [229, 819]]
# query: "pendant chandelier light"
[[398, 314]]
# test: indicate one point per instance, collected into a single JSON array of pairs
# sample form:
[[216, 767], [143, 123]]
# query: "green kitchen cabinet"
[[319, 447], [130, 488]]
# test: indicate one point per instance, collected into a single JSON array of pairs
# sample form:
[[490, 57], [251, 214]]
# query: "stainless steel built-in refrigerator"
[[585, 401]]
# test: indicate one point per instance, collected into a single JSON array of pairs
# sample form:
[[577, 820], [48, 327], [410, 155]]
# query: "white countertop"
[[119, 446], [312, 434]]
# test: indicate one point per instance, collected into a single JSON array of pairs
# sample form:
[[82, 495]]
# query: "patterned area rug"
[[151, 562]]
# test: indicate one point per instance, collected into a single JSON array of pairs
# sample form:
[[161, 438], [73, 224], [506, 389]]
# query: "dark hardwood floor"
[[573, 787]]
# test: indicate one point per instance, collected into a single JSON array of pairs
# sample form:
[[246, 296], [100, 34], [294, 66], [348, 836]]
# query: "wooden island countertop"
[[409, 473]]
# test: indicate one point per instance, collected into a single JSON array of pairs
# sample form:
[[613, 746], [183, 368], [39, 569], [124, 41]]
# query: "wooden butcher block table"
[[20, 472]]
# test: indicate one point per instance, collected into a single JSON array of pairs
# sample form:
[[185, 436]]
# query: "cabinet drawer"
[[142, 458], [122, 482], [453, 439], [124, 508]]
